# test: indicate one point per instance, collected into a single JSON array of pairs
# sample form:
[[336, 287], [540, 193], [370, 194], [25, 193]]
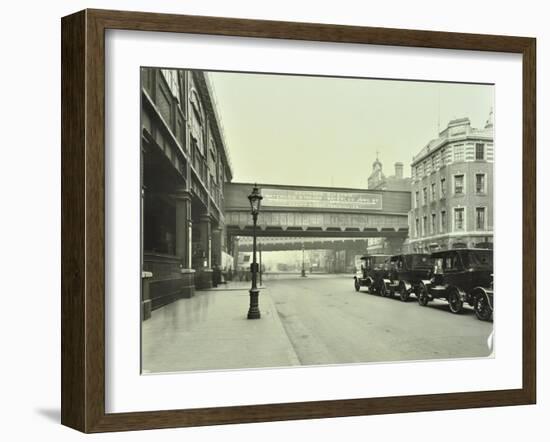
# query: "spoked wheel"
[[357, 285], [422, 296], [455, 303], [403, 293], [483, 309]]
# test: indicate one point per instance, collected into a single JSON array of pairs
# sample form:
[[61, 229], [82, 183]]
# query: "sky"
[[320, 131]]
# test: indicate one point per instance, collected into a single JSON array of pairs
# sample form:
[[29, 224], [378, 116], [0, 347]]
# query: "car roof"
[[410, 254], [461, 249]]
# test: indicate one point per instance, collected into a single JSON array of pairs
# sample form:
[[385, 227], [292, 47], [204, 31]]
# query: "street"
[[328, 322], [316, 320]]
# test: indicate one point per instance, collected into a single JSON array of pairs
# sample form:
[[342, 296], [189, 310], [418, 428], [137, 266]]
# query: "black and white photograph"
[[300, 220]]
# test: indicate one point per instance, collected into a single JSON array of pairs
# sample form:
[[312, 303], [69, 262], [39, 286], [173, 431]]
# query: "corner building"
[[452, 190], [184, 165]]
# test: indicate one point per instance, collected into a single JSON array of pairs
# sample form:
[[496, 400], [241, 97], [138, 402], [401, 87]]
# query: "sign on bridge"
[[320, 199]]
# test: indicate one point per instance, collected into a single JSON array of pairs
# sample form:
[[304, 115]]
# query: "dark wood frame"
[[83, 216]]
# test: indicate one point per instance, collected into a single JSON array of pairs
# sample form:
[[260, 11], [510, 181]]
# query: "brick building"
[[379, 181], [184, 165], [452, 189]]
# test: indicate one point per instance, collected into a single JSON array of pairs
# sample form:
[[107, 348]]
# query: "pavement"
[[305, 321], [210, 331]]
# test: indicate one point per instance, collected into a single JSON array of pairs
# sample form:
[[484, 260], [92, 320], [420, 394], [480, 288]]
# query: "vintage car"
[[461, 276], [406, 274], [374, 269]]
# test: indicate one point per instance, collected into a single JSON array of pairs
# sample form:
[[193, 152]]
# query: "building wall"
[[184, 167], [450, 156]]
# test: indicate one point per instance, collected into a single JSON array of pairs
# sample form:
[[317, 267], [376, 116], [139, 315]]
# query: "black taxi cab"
[[461, 276]]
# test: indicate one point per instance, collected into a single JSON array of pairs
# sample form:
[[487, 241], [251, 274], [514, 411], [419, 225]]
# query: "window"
[[480, 183], [197, 122], [424, 225], [480, 151], [171, 77], [433, 191], [443, 221], [443, 188], [459, 219], [425, 195], [451, 262], [433, 162], [417, 198], [459, 184], [417, 225], [459, 153], [480, 218], [433, 223]]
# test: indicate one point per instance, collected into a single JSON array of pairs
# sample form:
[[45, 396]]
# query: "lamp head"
[[255, 199]]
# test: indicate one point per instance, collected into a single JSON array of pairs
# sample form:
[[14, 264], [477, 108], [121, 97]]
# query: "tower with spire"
[[379, 181]]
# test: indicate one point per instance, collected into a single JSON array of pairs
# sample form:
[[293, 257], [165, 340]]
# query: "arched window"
[[171, 77], [197, 120]]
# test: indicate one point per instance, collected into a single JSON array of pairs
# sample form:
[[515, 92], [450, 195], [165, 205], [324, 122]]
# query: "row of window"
[[456, 153], [198, 132], [430, 227], [459, 188]]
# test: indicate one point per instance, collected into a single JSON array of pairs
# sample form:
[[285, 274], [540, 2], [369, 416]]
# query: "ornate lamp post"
[[255, 199], [303, 262]]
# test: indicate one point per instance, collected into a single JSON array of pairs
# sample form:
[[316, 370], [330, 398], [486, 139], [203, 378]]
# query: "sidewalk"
[[235, 285], [210, 332]]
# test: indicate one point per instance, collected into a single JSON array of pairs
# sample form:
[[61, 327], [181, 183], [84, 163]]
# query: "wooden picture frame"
[[83, 220]]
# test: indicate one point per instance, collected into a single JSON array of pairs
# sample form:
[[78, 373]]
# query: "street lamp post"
[[303, 262], [260, 253], [255, 199]]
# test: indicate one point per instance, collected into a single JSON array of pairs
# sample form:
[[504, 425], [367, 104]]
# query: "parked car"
[[374, 269], [407, 273], [461, 276]]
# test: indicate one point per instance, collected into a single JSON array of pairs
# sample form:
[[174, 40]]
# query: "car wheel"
[[422, 295], [383, 290], [403, 293], [455, 303], [482, 308], [357, 285]]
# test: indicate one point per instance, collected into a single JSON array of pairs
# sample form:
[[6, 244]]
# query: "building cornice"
[[473, 136]]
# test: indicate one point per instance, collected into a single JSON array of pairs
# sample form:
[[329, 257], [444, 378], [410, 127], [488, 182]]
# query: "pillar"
[[235, 253], [206, 238], [183, 227], [217, 246], [203, 277]]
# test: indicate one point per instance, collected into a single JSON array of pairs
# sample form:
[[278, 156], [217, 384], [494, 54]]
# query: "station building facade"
[[378, 180], [184, 165], [452, 190]]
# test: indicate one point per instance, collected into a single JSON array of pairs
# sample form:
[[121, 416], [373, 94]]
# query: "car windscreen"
[[421, 261], [480, 259]]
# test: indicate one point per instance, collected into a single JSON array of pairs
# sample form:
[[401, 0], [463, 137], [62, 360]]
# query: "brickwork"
[[452, 189]]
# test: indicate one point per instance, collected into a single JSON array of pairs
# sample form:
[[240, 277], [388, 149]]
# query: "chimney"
[[399, 170]]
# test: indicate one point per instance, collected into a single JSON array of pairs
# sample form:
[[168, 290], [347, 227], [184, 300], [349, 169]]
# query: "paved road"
[[328, 322]]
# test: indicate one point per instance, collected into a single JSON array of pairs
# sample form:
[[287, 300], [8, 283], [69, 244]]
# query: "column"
[[183, 242], [206, 238], [183, 224], [203, 276], [235, 253], [217, 246]]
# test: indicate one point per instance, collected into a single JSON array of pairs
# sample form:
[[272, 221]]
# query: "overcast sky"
[[320, 131]]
